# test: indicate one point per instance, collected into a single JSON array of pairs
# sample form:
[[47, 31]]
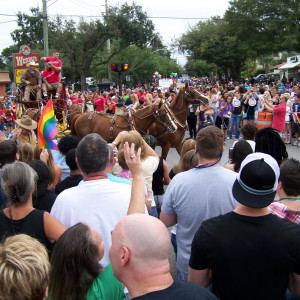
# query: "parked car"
[[261, 77]]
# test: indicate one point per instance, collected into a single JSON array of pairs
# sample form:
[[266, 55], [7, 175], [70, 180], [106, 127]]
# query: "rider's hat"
[[32, 63], [26, 122]]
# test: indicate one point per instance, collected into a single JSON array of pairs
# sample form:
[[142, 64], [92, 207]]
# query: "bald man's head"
[[140, 243]]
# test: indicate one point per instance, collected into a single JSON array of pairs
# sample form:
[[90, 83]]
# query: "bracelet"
[[114, 143]]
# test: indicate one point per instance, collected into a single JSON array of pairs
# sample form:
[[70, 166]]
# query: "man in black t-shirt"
[[139, 258], [75, 173], [249, 253]]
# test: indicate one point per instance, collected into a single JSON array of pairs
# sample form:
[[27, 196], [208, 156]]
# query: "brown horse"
[[74, 112], [33, 113], [108, 126], [178, 110]]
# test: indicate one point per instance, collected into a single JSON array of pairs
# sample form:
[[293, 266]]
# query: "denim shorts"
[[10, 124], [250, 118]]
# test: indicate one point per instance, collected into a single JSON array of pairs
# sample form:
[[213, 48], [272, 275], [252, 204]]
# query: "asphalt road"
[[173, 157]]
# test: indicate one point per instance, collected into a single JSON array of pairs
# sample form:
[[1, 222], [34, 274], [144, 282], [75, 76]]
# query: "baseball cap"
[[257, 180]]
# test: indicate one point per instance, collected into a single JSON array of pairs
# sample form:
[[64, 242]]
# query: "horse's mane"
[[176, 99]]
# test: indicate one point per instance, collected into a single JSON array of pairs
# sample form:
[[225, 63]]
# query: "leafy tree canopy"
[[30, 29], [266, 25], [143, 63], [83, 44], [213, 42]]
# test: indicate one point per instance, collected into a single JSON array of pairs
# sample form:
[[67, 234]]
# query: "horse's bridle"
[[171, 123], [155, 114]]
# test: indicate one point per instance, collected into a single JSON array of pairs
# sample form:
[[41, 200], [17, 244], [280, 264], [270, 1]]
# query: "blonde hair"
[[287, 96], [24, 268], [188, 145], [134, 98], [149, 97], [213, 91], [25, 153], [135, 138]]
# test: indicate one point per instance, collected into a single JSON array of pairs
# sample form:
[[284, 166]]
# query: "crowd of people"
[[90, 221]]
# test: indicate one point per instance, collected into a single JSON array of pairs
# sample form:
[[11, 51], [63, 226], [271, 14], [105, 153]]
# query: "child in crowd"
[[10, 121]]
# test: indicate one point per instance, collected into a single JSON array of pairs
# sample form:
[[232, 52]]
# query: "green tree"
[[249, 68], [144, 62], [7, 58], [84, 45], [266, 25], [30, 29], [214, 42], [199, 67], [267, 61]]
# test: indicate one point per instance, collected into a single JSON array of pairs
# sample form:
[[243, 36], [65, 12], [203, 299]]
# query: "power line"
[[9, 21], [170, 18], [51, 3], [5, 15]]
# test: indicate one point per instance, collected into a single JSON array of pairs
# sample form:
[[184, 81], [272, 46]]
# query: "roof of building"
[[4, 77], [277, 66]]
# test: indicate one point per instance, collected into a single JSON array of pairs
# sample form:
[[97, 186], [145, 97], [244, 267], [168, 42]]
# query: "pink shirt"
[[279, 117]]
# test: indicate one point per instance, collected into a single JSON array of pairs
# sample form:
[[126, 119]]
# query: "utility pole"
[[107, 44], [45, 29]]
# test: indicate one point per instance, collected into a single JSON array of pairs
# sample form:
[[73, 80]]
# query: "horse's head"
[[75, 108], [192, 96], [164, 117]]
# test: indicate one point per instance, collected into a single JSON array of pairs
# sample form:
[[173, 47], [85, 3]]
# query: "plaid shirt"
[[282, 211]]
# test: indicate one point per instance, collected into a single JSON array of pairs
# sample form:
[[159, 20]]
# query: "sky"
[[168, 28]]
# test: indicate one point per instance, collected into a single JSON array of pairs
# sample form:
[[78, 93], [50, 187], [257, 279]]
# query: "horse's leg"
[[178, 148], [165, 150]]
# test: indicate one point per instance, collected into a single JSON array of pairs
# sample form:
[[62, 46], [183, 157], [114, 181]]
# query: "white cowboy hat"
[[32, 63], [26, 122]]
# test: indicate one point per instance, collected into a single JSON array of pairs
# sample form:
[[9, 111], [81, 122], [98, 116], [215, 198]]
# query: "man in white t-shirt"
[[97, 202], [198, 194]]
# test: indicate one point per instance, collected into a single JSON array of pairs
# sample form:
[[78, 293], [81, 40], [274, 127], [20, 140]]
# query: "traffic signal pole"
[[119, 69], [120, 104]]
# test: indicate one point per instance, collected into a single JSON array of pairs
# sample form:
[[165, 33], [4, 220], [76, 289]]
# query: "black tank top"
[[32, 224], [158, 175]]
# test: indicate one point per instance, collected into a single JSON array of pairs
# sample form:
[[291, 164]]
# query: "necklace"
[[290, 199], [203, 166]]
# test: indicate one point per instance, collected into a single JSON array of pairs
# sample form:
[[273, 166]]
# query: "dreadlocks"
[[269, 141]]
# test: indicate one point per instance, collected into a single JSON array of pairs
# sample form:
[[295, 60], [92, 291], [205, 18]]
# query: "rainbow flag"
[[296, 118], [47, 129]]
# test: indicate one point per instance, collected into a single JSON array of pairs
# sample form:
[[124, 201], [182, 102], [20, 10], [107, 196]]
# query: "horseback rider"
[[32, 80]]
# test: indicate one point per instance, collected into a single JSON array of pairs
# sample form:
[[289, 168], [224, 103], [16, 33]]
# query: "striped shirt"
[[282, 211]]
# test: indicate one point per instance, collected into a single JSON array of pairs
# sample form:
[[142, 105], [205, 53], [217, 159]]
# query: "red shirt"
[[75, 100], [2, 114], [56, 62], [100, 103], [142, 96], [112, 105], [14, 110], [279, 117], [52, 76], [10, 118]]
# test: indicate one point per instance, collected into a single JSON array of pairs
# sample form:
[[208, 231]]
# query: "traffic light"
[[119, 68], [114, 67], [125, 67]]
